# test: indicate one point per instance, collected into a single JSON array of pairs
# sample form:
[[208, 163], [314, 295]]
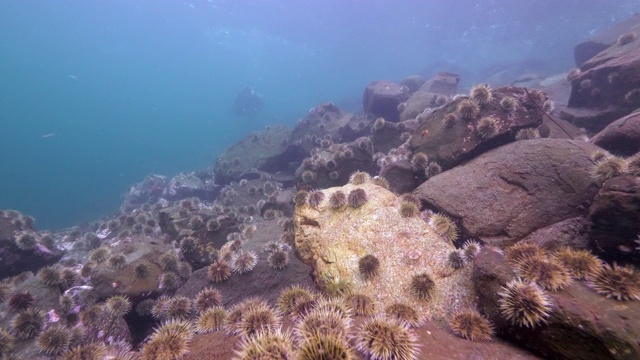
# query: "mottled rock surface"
[[443, 83], [333, 241], [509, 192], [186, 185], [451, 146]]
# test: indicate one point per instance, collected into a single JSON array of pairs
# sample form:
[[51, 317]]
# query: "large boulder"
[[442, 83], [615, 219], [332, 242], [17, 259], [582, 324], [610, 81], [145, 192], [187, 185], [452, 145], [621, 137], [261, 150], [507, 193], [602, 40], [381, 99], [419, 102]]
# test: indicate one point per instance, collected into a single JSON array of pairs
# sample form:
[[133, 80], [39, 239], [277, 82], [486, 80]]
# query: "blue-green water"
[[128, 88]]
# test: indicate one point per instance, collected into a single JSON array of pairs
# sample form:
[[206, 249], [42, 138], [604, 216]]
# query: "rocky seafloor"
[[499, 223]]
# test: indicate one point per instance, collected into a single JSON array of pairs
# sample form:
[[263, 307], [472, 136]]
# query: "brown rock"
[[452, 146], [602, 40], [621, 137], [401, 176], [507, 193], [572, 232], [582, 325], [615, 218], [381, 98], [593, 120]]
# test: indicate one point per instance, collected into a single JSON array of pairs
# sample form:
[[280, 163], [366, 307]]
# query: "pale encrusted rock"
[[332, 241]]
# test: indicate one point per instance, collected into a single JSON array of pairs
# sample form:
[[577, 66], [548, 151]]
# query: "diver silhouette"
[[248, 103]]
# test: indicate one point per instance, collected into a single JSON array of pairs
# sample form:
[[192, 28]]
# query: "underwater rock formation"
[[621, 137], [332, 241], [599, 328], [382, 98], [452, 134], [506, 193]]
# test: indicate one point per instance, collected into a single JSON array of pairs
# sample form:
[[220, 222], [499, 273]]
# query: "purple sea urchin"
[[449, 120], [524, 304], [357, 198], [422, 286], [471, 325], [383, 339], [369, 267], [618, 282]]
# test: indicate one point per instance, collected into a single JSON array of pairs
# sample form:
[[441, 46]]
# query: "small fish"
[[73, 77], [424, 133], [48, 135], [53, 317]]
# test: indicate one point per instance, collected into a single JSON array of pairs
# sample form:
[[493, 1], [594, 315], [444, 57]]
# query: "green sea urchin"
[[369, 267], [28, 323], [618, 282], [118, 305], [357, 198], [456, 259], [293, 295], [422, 286], [243, 262], [481, 94], [444, 226], [582, 264], [359, 178], [278, 259], [54, 340], [487, 127], [409, 209], [212, 319], [361, 303], [337, 200], [471, 325], [468, 109], [382, 339], [607, 168], [207, 298], [219, 271], [524, 303], [404, 313]]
